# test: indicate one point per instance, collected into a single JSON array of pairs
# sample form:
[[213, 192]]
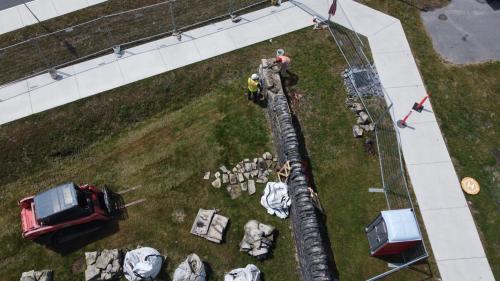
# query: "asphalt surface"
[[466, 31], [5, 4]]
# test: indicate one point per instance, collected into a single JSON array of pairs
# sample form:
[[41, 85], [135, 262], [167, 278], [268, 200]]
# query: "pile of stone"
[[209, 225], [258, 239], [42, 275], [103, 265], [359, 76], [242, 177], [363, 123]]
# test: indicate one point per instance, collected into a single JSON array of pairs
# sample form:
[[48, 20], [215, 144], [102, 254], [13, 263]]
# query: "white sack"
[[249, 273], [142, 264], [192, 269]]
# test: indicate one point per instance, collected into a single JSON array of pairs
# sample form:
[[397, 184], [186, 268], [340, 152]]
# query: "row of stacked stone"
[[363, 123]]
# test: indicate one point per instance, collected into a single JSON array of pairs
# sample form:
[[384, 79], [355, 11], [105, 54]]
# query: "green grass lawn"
[[165, 132]]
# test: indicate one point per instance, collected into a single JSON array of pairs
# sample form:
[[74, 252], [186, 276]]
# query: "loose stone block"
[[217, 183], [364, 116], [224, 169], [241, 178], [232, 178], [251, 187], [234, 191], [225, 178], [357, 131]]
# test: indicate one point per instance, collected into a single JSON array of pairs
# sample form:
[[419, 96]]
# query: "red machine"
[[65, 207]]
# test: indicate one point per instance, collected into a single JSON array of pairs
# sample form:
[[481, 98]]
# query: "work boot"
[[255, 96]]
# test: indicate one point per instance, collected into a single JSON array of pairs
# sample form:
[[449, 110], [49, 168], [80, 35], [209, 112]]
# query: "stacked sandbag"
[[258, 239], [103, 265], [143, 263], [249, 273], [192, 269]]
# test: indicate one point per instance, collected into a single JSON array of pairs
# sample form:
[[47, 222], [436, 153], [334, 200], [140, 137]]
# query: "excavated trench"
[[315, 257]]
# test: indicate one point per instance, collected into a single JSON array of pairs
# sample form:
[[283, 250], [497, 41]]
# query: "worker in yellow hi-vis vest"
[[253, 87]]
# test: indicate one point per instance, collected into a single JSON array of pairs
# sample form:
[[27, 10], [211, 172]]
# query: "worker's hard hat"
[[255, 76]]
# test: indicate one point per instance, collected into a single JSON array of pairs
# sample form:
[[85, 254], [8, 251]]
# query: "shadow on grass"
[[87, 234], [399, 259], [163, 275]]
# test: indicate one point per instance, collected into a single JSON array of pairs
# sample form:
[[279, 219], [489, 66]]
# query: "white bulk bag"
[[142, 264], [192, 269], [249, 273]]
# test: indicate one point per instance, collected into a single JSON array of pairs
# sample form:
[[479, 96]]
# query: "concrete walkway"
[[16, 17], [453, 236], [465, 31]]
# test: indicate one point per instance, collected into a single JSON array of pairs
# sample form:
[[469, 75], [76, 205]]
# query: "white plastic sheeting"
[[249, 273], [276, 200], [192, 269], [142, 264]]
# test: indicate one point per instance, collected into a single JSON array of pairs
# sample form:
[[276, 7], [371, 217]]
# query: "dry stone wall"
[[314, 253]]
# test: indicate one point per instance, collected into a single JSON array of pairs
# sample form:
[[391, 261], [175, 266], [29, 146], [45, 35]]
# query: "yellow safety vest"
[[253, 86]]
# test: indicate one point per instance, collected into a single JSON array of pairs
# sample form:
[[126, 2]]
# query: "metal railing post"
[[40, 54], [231, 8], [382, 115], [175, 32], [172, 15]]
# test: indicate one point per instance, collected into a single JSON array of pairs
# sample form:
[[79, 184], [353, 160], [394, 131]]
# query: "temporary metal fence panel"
[[367, 87], [98, 36]]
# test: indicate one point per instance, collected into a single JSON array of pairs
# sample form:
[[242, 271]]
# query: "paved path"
[[468, 32], [15, 15], [448, 221]]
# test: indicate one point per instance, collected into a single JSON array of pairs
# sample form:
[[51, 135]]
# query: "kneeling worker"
[[253, 87], [284, 63]]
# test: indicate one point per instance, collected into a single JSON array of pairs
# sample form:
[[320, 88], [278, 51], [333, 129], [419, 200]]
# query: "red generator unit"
[[393, 232]]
